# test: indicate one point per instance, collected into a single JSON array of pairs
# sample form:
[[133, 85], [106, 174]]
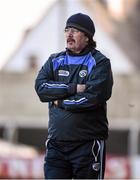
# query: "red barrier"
[[117, 167], [21, 168]]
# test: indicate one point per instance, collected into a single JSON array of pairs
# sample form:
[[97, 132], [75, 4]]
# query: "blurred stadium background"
[[33, 29]]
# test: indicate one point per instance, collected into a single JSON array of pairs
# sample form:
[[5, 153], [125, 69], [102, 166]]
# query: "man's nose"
[[70, 34]]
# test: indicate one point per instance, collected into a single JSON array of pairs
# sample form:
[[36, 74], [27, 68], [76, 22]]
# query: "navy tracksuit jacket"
[[78, 116]]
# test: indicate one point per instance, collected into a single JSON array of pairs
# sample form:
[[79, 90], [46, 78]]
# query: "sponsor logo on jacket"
[[63, 73]]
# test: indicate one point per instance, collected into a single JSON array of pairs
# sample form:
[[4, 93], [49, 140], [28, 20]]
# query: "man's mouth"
[[70, 40]]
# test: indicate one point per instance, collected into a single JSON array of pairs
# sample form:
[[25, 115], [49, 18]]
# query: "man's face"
[[75, 39]]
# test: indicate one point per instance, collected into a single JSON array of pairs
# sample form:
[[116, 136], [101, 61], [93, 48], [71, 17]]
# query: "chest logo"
[[63, 73], [83, 73]]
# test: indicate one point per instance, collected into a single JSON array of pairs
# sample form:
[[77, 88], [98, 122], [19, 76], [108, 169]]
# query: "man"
[[77, 83]]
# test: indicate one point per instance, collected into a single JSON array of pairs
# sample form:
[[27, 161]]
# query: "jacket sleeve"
[[98, 89], [47, 88]]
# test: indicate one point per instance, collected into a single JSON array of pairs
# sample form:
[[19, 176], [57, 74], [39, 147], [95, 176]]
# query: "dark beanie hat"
[[82, 22]]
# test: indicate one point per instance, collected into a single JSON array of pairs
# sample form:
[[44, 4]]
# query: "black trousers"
[[75, 160]]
